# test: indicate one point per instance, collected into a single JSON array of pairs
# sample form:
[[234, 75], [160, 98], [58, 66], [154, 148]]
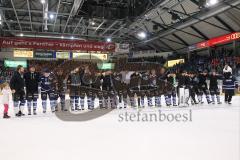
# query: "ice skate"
[[18, 115], [21, 113]]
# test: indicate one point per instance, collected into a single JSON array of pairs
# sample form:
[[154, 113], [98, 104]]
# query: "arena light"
[[21, 34], [72, 37], [93, 23], [51, 16], [43, 1], [211, 2], [109, 39], [0, 19], [62, 37], [142, 35]]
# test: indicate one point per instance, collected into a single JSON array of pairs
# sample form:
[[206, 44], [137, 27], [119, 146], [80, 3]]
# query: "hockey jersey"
[[230, 83], [74, 79], [117, 81], [48, 83], [145, 79], [214, 81], [135, 81], [202, 80]]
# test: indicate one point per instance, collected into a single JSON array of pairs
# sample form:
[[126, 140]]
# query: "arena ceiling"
[[170, 25]]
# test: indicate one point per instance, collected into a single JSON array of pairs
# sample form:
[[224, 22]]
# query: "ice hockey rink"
[[178, 50], [213, 133]]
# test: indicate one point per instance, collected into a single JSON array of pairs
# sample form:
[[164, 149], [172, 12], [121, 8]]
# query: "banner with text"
[[77, 55], [42, 54], [171, 63], [48, 44], [215, 41], [97, 56], [22, 54], [63, 55]]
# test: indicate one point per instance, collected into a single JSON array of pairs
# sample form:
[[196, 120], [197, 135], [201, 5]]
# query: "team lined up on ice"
[[109, 85]]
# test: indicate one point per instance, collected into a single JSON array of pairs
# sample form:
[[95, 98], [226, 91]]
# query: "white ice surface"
[[214, 134]]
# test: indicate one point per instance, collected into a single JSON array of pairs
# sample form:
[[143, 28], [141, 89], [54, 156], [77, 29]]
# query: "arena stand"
[[195, 63]]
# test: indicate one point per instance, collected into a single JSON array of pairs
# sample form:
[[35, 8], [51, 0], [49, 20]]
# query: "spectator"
[[17, 87]]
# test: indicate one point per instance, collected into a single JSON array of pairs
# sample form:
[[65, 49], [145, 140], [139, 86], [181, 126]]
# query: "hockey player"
[[74, 82], [172, 94], [229, 85], [17, 87], [156, 89], [164, 85], [108, 91], [145, 88], [120, 88], [48, 90], [60, 90], [97, 90], [32, 79], [183, 94], [191, 83], [213, 87], [193, 87], [203, 88], [82, 89], [134, 88], [88, 79], [160, 84]]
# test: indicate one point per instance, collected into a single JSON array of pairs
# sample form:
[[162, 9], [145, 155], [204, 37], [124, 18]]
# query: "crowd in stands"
[[154, 59], [215, 61], [5, 73]]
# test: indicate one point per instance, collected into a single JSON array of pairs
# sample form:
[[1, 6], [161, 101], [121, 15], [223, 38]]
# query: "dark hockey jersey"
[[193, 81], [97, 82], [214, 81], [48, 83], [182, 79], [229, 83], [188, 81], [202, 80], [135, 81], [74, 79], [171, 79], [117, 81], [145, 79], [87, 79], [161, 78], [106, 81], [60, 82], [153, 80]]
